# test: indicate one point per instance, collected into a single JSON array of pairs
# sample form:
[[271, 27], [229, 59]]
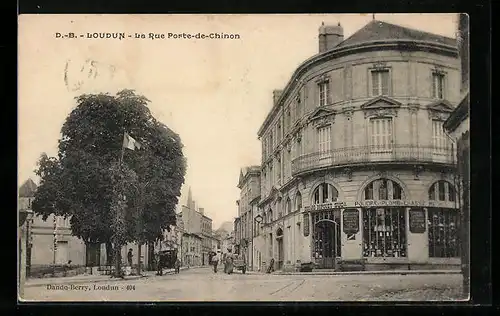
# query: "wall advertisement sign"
[[350, 221], [417, 221]]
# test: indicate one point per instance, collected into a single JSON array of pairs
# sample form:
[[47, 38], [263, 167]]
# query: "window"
[[324, 140], [439, 139], [298, 201], [298, 107], [288, 206], [383, 189], [380, 82], [443, 233], [288, 120], [438, 85], [298, 148], [442, 191], [381, 135], [384, 232], [325, 193], [324, 93], [278, 171]]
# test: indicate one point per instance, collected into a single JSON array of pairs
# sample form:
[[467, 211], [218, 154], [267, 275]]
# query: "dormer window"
[[380, 81], [438, 85]]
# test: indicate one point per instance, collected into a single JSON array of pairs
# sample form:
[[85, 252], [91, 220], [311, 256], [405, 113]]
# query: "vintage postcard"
[[178, 158]]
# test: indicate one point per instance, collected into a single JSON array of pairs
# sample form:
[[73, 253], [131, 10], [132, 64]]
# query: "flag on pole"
[[130, 143]]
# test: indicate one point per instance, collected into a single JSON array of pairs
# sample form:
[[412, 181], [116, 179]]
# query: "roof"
[[245, 171], [459, 114], [378, 30], [28, 189], [384, 34]]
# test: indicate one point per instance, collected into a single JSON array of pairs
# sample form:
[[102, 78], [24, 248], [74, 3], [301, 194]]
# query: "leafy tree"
[[85, 180]]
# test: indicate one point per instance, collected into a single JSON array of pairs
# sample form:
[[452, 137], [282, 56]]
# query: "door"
[[93, 255], [326, 242], [280, 253], [62, 252]]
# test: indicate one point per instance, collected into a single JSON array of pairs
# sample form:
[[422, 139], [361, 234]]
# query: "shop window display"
[[384, 232], [443, 233]]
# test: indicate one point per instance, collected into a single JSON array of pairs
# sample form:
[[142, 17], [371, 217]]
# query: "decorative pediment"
[[439, 110], [381, 106], [348, 111], [322, 116], [441, 105]]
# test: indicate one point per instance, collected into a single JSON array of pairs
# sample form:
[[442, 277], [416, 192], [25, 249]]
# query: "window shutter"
[[329, 88], [375, 83]]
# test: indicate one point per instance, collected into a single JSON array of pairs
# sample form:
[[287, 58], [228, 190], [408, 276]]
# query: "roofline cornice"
[[352, 49], [247, 175]]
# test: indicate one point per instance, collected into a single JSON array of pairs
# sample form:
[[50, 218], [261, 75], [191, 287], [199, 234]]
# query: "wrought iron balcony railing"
[[372, 154]]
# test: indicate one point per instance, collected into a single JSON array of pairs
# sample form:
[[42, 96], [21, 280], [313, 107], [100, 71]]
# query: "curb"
[[370, 272]]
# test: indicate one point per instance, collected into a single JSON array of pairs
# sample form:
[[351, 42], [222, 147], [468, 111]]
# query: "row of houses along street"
[[357, 170], [48, 244]]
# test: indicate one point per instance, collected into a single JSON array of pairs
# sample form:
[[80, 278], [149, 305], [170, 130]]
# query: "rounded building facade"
[[356, 166]]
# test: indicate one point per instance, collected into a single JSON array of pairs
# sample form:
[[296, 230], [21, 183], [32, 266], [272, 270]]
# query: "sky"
[[215, 93]]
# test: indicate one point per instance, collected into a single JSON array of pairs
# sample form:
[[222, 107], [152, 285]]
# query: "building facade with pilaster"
[[249, 185], [357, 170]]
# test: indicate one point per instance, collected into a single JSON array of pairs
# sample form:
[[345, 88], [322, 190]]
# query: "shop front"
[[386, 228]]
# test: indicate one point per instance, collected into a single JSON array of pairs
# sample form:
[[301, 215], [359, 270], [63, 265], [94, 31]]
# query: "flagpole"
[[122, 153]]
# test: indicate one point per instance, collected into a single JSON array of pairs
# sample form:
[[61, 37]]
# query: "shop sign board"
[[379, 203], [417, 221], [351, 221]]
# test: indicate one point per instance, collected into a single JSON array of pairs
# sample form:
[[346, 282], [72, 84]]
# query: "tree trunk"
[[118, 261], [109, 253]]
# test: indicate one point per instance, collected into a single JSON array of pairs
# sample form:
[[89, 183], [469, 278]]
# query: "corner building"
[[357, 171]]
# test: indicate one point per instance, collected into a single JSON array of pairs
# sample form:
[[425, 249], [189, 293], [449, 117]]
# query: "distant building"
[[41, 239], [191, 245], [249, 185], [196, 223]]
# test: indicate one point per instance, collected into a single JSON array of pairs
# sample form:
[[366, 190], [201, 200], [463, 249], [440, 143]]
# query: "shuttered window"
[[324, 140], [380, 82], [439, 139], [381, 134]]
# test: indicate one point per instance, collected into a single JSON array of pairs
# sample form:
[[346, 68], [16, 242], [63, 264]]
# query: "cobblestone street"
[[203, 285]]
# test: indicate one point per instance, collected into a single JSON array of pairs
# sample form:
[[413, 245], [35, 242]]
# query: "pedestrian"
[[271, 266], [229, 261], [177, 265], [215, 261], [130, 255], [159, 267]]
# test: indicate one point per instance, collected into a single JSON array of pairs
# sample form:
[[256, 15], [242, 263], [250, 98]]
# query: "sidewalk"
[[383, 272], [89, 278]]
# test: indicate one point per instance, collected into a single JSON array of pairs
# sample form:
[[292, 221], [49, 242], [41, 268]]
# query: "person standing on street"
[[229, 261], [130, 255], [177, 265], [215, 261]]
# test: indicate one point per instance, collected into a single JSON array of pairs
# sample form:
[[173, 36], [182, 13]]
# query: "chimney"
[[276, 96], [201, 210], [329, 36]]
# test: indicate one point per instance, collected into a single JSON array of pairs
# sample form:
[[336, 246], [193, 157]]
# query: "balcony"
[[361, 155]]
